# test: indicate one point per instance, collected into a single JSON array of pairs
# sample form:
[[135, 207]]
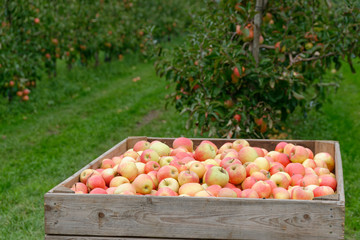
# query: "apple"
[[99, 170], [165, 191], [224, 147], [276, 167], [272, 154], [143, 184], [251, 168], [262, 188], [321, 171], [249, 193], [229, 185], [259, 151], [180, 165], [227, 192], [229, 153], [198, 168], [79, 187], [117, 159], [298, 154], [309, 170], [151, 166], [111, 190], [328, 180], [153, 175], [280, 193], [108, 174], [237, 173], [214, 189], [203, 193], [239, 144], [301, 193], [107, 163], [280, 147], [128, 170], [95, 181], [205, 151], [211, 143], [248, 183], [309, 163], [271, 183], [247, 154], [327, 158], [216, 175], [190, 188], [166, 160], [167, 172], [188, 177], [311, 154], [295, 168], [262, 163], [141, 146], [183, 142], [84, 175], [280, 180], [320, 163], [132, 154], [117, 181], [149, 155], [125, 187], [127, 159], [323, 191], [288, 148], [161, 148], [259, 176], [311, 179], [140, 167], [177, 150], [282, 158], [211, 162], [226, 162], [296, 179], [98, 191]]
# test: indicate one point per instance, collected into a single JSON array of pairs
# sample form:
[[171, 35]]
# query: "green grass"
[[77, 116]]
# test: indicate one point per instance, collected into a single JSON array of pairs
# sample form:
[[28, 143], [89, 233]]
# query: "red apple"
[[248, 183], [249, 193], [280, 180], [311, 179], [190, 189], [298, 154], [323, 191], [327, 158], [79, 187], [98, 191], [227, 192], [95, 181], [128, 170], [108, 174], [216, 175], [301, 193], [239, 144], [205, 151], [280, 147], [237, 173], [247, 154], [165, 191], [295, 168], [141, 146], [183, 142], [117, 181], [167, 172], [328, 180], [149, 155], [280, 193], [143, 184]]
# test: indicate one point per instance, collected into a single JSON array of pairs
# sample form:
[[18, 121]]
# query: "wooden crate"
[[83, 216]]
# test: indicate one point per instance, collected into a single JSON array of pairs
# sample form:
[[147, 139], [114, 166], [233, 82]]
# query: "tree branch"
[[257, 29], [300, 59]]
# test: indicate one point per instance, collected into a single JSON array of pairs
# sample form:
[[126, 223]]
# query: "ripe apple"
[[198, 168], [107, 163], [141, 146], [190, 189], [248, 183], [224, 147], [127, 159], [295, 168], [262, 188], [237, 173], [167, 172], [298, 154], [117, 159], [320, 163], [280, 180], [288, 148], [226, 162], [132, 154], [205, 151], [262, 163], [321, 171], [211, 143], [271, 183], [229, 153], [276, 167], [149, 155], [178, 150], [84, 175], [95, 181], [143, 184], [79, 187], [239, 144], [183, 142], [282, 158], [259, 176], [311, 179], [111, 190], [151, 166], [125, 187], [118, 180], [161, 148], [98, 191], [108, 174], [251, 168], [301, 193], [249, 193], [309, 163], [323, 191], [188, 177], [296, 179], [328, 180], [280, 193], [140, 167], [166, 160], [247, 154], [180, 165], [327, 158], [165, 191], [128, 170], [311, 154], [227, 192], [216, 175], [153, 175], [280, 147], [309, 170], [211, 162]]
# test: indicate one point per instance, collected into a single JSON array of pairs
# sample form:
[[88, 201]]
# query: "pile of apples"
[[234, 170]]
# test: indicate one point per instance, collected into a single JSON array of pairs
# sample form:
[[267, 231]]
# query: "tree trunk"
[[259, 7]]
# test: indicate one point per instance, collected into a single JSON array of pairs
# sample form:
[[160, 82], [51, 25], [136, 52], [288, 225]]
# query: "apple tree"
[[249, 64]]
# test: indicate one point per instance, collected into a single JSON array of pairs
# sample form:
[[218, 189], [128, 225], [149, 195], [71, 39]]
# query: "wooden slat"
[[332, 197], [64, 237], [206, 218], [325, 146], [339, 174]]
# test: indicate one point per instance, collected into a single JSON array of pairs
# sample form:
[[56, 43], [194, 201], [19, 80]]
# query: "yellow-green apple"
[[153, 192], [208, 166], [311, 187], [288, 148], [280, 180], [301, 193], [141, 146], [188, 177], [153, 175], [320, 163], [117, 159], [280, 193], [211, 162], [132, 154], [259, 151], [128, 170], [311, 154], [311, 179], [225, 147], [117, 181], [167, 172], [95, 181], [282, 158], [79, 187], [107, 163], [309, 163], [140, 167], [183, 142], [262, 163], [180, 165], [203, 193], [323, 191], [143, 184], [296, 179], [128, 187], [128, 159], [216, 175], [99, 170], [298, 154], [198, 168], [149, 155], [259, 176], [165, 191], [276, 167], [84, 175], [251, 168], [111, 190], [161, 148], [271, 183], [248, 182], [205, 151], [98, 191], [211, 143], [166, 160], [249, 193], [151, 166], [190, 189], [239, 144], [108, 174], [328, 180], [309, 170], [226, 162], [295, 168], [272, 154], [227, 192], [237, 173], [280, 146], [321, 171], [188, 164], [229, 153], [327, 158], [247, 154]]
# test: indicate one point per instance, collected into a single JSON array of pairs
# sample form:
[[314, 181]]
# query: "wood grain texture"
[[206, 218], [64, 237]]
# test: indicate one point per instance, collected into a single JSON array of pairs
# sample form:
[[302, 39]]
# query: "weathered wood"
[[333, 197], [207, 218], [339, 174], [64, 237], [62, 189]]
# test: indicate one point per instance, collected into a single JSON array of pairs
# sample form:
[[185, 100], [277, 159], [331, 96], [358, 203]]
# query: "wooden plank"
[[339, 174], [325, 146], [332, 197], [206, 218], [65, 237]]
